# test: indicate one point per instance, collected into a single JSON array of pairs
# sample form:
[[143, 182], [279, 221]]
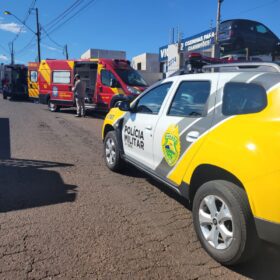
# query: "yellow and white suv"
[[215, 139]]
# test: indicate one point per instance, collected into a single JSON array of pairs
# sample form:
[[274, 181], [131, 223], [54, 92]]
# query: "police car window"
[[106, 77], [190, 99], [61, 77], [243, 98], [151, 102]]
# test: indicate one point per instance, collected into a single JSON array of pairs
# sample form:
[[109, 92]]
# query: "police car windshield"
[[131, 77]]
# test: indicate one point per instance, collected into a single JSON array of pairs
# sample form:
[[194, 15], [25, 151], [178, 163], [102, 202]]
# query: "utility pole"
[[38, 34], [66, 51], [12, 53], [218, 21]]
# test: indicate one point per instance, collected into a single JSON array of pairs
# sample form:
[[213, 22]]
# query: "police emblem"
[[171, 145]]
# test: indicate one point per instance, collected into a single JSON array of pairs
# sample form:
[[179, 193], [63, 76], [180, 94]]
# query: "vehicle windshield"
[[225, 26], [131, 77]]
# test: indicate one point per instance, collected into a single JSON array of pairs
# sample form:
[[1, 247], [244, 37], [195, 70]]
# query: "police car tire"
[[245, 242], [118, 163]]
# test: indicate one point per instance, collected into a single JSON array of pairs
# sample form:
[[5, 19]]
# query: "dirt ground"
[[64, 215]]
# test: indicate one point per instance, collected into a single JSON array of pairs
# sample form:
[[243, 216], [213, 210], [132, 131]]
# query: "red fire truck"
[[107, 81]]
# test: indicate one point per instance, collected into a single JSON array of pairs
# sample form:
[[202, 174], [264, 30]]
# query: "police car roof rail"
[[243, 67]]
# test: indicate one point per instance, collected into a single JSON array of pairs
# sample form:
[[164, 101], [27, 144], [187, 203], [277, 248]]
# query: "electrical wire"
[[30, 44], [58, 22], [257, 7], [28, 13], [51, 39], [71, 17], [4, 49], [64, 14]]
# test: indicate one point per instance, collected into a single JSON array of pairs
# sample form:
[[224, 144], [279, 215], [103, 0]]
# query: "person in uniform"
[[79, 93]]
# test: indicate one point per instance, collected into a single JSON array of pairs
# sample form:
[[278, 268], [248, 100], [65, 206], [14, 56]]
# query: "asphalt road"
[[64, 215]]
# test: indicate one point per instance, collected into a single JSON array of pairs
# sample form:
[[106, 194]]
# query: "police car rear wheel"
[[112, 152], [224, 223]]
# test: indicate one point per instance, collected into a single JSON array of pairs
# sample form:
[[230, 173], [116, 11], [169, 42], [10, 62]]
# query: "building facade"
[[172, 57], [146, 62], [99, 53]]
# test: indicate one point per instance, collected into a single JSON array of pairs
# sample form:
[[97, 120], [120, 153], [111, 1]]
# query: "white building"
[[99, 53], [146, 62]]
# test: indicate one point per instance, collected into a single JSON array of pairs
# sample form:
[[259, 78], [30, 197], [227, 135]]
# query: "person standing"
[[79, 93]]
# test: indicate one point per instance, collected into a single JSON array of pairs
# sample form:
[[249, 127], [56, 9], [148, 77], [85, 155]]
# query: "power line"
[[64, 14], [58, 22], [71, 17], [4, 49], [32, 5], [257, 7], [28, 45], [51, 39]]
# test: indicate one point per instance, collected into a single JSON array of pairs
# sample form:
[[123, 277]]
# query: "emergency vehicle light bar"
[[122, 61], [243, 67]]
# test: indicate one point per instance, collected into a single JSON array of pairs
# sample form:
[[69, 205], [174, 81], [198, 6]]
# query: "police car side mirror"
[[124, 106]]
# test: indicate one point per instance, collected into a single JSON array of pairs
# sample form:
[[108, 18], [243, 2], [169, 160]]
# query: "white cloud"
[[12, 27], [3, 57], [51, 48]]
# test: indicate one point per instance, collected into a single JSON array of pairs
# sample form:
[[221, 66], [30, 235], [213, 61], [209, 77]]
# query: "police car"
[[213, 138]]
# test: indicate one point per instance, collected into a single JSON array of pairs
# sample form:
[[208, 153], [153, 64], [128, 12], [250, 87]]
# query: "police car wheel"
[[224, 223], [112, 152]]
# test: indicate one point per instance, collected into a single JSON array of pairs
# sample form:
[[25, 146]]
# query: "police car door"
[[139, 125], [188, 114]]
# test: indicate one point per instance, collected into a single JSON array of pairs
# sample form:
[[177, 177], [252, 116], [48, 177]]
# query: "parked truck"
[[14, 81], [107, 81]]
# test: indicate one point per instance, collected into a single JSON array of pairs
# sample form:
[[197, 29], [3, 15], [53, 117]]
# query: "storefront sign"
[[199, 42]]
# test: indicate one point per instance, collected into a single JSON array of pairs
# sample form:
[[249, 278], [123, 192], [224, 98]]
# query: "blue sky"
[[130, 25]]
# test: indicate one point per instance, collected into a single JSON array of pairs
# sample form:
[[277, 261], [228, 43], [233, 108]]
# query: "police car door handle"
[[149, 127], [192, 136]]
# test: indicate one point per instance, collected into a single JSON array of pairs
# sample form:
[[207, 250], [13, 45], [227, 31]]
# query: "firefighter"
[[79, 93]]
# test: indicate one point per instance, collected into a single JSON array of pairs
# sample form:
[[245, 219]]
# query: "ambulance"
[[106, 81], [32, 80]]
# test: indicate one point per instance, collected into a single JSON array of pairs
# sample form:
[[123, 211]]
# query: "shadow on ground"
[[131, 171], [20, 99], [90, 113], [265, 265], [26, 183]]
